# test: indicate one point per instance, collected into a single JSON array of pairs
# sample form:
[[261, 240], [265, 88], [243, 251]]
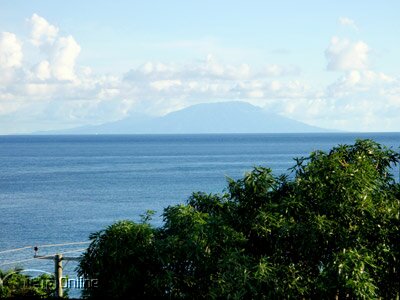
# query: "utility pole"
[[58, 270]]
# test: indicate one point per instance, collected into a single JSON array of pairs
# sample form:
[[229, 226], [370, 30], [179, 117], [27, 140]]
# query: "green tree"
[[329, 229], [14, 284], [122, 259]]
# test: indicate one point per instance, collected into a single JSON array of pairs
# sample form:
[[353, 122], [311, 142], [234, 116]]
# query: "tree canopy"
[[14, 284], [328, 229]]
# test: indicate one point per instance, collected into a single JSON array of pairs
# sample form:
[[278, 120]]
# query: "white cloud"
[[150, 68], [344, 55], [29, 88], [345, 21], [161, 85], [64, 55], [39, 90], [43, 70], [42, 31], [275, 70], [108, 93], [356, 82], [212, 68], [52, 89], [209, 68], [360, 100], [10, 51], [61, 52]]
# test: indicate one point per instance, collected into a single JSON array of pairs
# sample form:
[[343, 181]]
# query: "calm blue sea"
[[57, 189]]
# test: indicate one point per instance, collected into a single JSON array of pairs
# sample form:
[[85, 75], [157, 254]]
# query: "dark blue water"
[[56, 189]]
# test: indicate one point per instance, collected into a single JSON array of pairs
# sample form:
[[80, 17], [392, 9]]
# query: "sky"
[[332, 64]]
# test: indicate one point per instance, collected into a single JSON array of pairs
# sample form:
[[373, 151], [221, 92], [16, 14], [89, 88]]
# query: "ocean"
[[59, 189]]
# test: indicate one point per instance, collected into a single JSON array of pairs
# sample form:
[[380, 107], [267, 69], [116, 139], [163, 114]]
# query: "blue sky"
[[328, 63]]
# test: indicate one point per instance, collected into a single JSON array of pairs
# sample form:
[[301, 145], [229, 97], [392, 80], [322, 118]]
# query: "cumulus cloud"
[[359, 100], [43, 70], [161, 85], [345, 21], [61, 52], [360, 81], [209, 68], [64, 55], [52, 86], [10, 51], [344, 55], [209, 80], [274, 70], [42, 31], [29, 88], [212, 68]]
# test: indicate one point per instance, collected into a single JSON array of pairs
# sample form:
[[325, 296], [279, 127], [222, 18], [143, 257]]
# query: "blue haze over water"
[[56, 189]]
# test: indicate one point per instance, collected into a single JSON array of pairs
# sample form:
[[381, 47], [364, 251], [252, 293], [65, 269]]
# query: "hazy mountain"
[[222, 117]]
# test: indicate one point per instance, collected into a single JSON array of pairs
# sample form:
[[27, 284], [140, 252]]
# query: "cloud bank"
[[51, 90]]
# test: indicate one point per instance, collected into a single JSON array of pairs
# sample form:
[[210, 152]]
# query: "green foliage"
[[14, 284], [330, 230], [123, 259]]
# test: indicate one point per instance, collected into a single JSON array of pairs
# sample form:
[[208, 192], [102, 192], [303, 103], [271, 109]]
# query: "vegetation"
[[14, 284], [330, 229]]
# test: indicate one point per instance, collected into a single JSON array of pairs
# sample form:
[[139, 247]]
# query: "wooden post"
[[58, 270], [59, 273]]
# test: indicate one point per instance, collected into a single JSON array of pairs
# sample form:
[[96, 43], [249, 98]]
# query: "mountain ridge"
[[213, 118]]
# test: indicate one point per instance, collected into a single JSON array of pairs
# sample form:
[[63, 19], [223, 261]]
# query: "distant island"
[[221, 117]]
